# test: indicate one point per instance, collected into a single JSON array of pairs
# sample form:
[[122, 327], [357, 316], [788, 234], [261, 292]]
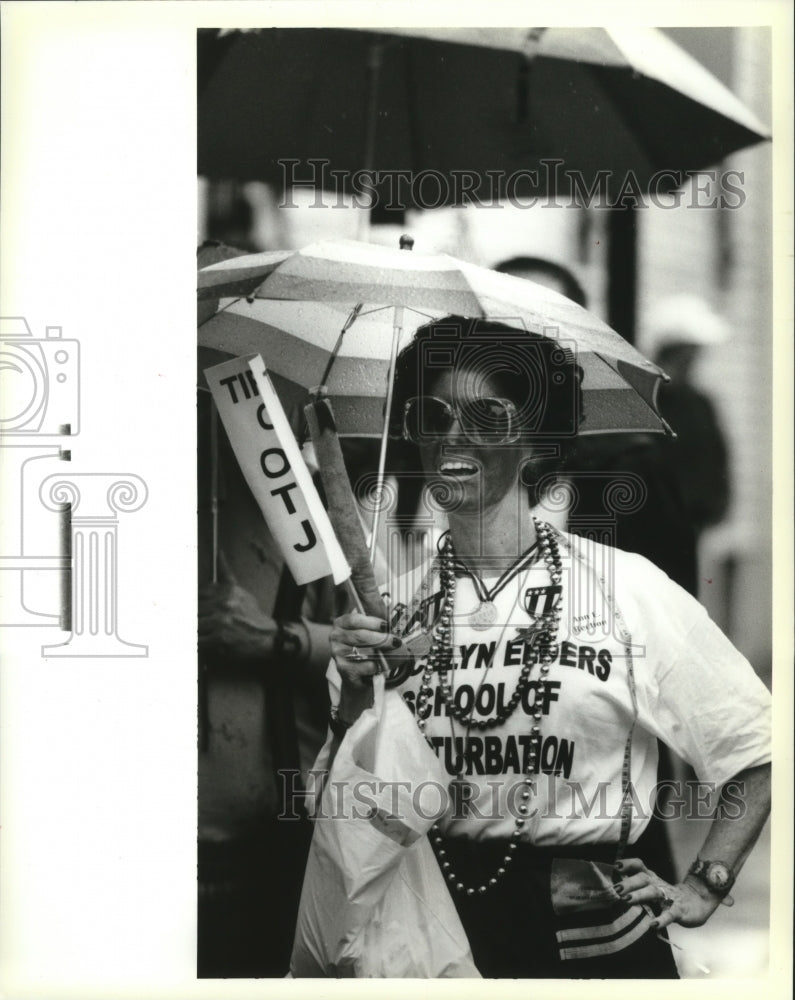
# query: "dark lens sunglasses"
[[486, 420]]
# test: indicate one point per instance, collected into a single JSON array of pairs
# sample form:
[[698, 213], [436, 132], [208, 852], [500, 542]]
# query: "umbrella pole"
[[374, 60], [397, 329], [203, 721], [214, 487]]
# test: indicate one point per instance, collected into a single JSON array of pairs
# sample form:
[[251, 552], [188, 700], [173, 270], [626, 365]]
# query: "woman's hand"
[[682, 903], [730, 838], [356, 642]]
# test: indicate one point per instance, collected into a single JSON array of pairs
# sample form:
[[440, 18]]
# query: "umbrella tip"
[[406, 242]]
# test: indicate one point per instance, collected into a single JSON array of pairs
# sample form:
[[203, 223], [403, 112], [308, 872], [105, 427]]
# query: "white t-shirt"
[[693, 690]]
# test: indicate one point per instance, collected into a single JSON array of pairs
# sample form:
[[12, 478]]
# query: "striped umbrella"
[[335, 314], [299, 343]]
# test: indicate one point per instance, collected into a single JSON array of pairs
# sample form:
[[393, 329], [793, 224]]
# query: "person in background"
[[548, 273], [681, 327], [263, 700], [263, 703], [230, 217], [658, 527], [263, 651]]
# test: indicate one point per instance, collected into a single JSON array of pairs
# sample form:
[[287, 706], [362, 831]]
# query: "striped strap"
[[604, 939]]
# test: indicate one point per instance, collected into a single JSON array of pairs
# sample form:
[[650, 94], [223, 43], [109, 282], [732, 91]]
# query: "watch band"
[[337, 725], [286, 643]]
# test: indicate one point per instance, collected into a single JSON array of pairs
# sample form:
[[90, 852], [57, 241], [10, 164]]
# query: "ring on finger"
[[355, 655], [665, 899]]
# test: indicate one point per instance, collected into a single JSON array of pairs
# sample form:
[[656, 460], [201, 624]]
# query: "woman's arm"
[[354, 640], [730, 840]]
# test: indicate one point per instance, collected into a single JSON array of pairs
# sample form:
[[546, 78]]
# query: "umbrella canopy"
[[293, 306], [488, 101], [297, 341]]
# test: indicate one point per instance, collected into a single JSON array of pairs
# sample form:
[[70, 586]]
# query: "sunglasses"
[[486, 420]]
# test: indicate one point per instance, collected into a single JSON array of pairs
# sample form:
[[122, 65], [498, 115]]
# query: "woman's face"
[[481, 476]]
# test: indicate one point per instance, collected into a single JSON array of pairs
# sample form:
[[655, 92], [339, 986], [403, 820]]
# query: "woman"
[[542, 669]]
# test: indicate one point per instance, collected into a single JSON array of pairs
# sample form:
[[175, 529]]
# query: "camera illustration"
[[39, 381], [59, 562]]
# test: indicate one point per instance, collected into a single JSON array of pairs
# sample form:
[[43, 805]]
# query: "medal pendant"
[[484, 616]]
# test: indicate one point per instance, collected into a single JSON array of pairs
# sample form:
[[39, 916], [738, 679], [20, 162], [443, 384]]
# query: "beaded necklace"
[[542, 635]]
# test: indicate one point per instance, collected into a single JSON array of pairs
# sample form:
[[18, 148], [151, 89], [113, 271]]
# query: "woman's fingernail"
[[383, 627], [618, 865], [396, 642], [619, 889]]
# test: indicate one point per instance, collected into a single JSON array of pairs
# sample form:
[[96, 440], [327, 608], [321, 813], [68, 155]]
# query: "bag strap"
[[626, 639]]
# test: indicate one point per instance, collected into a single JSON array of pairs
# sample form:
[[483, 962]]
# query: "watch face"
[[718, 875]]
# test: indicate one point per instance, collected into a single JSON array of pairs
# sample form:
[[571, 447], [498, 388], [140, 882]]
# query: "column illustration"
[[94, 501]]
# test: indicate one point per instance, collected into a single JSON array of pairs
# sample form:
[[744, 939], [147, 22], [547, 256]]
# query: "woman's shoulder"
[[605, 554], [633, 579]]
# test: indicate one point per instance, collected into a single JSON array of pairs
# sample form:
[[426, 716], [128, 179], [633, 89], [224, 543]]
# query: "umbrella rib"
[[414, 309], [227, 306], [335, 350]]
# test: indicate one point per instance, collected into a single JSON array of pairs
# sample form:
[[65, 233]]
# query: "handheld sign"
[[271, 461]]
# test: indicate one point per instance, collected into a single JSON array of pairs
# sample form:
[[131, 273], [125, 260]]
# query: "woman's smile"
[[457, 468]]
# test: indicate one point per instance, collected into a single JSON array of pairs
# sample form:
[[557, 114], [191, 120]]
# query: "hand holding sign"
[[271, 462]]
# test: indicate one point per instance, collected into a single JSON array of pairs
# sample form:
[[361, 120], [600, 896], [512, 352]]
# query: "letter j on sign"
[[271, 461]]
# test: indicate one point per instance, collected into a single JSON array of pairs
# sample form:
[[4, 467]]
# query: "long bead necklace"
[[542, 636]]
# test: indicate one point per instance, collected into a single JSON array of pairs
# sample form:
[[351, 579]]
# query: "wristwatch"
[[715, 875]]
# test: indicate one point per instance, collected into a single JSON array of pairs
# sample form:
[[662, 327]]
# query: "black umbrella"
[[461, 111]]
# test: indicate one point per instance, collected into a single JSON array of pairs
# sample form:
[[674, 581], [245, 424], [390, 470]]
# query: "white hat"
[[684, 319]]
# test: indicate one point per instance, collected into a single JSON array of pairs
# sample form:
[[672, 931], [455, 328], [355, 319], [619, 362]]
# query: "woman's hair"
[[539, 375]]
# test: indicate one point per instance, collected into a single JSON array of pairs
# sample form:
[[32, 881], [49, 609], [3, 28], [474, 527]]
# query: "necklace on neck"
[[485, 615], [541, 637]]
